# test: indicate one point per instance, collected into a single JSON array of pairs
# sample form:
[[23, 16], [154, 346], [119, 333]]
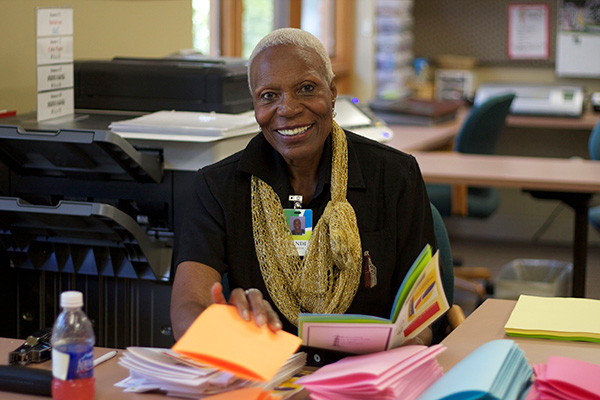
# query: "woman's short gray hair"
[[297, 37]]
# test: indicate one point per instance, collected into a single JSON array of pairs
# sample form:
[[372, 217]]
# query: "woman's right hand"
[[250, 304]]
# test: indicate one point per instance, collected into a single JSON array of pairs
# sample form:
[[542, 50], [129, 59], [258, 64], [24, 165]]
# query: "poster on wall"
[[528, 31], [578, 39]]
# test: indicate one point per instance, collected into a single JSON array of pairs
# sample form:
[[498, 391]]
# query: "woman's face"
[[293, 102]]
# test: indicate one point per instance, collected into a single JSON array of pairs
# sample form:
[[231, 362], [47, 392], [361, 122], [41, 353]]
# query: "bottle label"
[[73, 362]]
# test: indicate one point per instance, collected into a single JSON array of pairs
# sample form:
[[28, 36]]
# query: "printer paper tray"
[[77, 153], [80, 237]]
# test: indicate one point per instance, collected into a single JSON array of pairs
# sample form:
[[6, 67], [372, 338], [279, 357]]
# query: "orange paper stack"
[[220, 354]]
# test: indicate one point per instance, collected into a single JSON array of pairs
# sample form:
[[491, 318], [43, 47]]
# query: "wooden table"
[[106, 374], [487, 322], [410, 138], [441, 136], [571, 181], [586, 122]]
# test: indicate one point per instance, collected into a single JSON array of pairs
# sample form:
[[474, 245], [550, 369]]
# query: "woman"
[[370, 212]]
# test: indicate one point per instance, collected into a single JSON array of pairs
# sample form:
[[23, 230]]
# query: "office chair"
[[455, 315], [594, 150], [478, 135]]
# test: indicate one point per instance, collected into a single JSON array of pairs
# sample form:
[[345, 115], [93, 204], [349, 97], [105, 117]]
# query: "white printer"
[[546, 100]]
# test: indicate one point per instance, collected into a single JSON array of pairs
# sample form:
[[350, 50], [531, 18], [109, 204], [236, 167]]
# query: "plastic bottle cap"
[[71, 299]]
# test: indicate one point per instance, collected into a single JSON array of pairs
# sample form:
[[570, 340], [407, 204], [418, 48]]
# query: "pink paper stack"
[[400, 373], [563, 378]]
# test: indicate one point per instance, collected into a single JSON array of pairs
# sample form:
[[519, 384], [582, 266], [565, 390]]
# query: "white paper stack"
[[400, 373], [497, 370], [188, 123], [164, 370]]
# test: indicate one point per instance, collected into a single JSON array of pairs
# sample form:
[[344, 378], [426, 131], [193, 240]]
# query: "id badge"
[[300, 224]]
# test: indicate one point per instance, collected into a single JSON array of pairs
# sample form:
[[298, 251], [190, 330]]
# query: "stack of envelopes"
[[565, 378], [497, 370], [400, 373]]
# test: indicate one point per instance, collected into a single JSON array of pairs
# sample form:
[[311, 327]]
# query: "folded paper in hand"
[[420, 300], [221, 338], [188, 123], [152, 369]]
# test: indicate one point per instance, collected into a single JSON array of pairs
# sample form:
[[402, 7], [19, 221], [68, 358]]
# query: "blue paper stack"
[[497, 370]]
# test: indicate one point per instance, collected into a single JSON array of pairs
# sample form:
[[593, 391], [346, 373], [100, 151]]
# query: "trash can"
[[548, 278]]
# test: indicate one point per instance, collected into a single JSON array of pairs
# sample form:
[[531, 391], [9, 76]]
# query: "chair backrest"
[[480, 131], [594, 142], [443, 244]]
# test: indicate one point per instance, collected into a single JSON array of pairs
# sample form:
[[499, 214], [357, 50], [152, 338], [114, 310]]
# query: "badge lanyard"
[[300, 222]]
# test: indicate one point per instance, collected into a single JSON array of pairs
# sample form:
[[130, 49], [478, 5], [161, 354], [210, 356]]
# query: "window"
[[233, 27], [257, 21]]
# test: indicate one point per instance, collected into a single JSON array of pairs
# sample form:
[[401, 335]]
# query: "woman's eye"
[[268, 96], [307, 88]]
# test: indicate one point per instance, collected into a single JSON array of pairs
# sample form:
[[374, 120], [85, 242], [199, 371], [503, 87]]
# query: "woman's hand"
[[423, 338], [249, 303]]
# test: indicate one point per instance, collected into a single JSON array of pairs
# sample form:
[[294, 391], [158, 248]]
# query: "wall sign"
[[54, 58], [528, 32]]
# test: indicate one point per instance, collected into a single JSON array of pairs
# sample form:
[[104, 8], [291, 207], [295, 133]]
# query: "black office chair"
[[594, 150], [478, 135]]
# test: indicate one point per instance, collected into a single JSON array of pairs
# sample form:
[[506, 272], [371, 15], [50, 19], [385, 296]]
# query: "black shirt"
[[385, 188]]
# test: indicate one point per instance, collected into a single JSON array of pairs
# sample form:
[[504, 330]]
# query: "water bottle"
[[72, 351]]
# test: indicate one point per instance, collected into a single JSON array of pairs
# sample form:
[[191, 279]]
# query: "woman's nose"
[[289, 106]]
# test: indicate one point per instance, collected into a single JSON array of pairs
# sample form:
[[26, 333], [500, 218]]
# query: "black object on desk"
[[144, 84], [36, 349], [595, 101], [25, 380], [316, 357]]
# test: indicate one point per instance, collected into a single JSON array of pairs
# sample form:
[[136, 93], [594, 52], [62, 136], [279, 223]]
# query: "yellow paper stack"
[[564, 318]]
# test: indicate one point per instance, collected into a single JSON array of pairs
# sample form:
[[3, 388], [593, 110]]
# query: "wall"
[[103, 29]]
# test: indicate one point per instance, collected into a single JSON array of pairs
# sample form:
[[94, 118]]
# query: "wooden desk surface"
[[423, 138], [106, 374], [586, 122], [487, 322], [441, 136], [540, 173]]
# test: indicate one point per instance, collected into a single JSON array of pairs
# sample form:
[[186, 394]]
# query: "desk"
[[421, 138], [487, 322], [571, 181], [441, 136], [106, 374], [586, 122]]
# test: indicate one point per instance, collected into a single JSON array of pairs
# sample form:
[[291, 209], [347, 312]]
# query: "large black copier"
[[83, 208]]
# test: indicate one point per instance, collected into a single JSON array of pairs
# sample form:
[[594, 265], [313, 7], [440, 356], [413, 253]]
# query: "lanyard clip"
[[297, 199]]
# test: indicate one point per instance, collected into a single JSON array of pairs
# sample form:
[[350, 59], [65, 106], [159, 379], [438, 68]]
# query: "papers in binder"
[[495, 370], [210, 126], [565, 318], [420, 300]]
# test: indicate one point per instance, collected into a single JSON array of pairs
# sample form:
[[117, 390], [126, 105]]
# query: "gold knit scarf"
[[326, 279]]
